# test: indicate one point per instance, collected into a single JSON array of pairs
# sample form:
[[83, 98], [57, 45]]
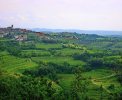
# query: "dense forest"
[[60, 66]]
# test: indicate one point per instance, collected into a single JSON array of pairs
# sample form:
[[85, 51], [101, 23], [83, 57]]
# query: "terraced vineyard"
[[87, 68]]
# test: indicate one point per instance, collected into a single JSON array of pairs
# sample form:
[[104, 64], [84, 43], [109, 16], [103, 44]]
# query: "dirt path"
[[95, 81]]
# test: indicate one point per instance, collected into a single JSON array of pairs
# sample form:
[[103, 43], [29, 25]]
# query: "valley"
[[60, 66]]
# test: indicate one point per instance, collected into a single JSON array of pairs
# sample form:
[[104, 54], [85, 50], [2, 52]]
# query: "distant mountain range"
[[99, 32]]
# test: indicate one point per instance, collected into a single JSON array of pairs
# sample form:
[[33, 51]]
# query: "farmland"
[[84, 68]]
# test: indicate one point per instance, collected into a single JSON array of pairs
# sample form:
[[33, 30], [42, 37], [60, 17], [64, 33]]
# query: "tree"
[[14, 51], [101, 92], [79, 86], [96, 63]]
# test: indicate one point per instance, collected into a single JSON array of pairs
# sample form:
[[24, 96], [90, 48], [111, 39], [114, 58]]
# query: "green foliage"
[[12, 47], [79, 86], [119, 78], [47, 68], [73, 46], [25, 88], [15, 64], [96, 63]]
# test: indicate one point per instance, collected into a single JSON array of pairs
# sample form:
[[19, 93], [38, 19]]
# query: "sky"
[[62, 14]]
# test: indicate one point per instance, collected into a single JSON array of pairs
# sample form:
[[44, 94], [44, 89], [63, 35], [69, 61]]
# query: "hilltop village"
[[18, 34]]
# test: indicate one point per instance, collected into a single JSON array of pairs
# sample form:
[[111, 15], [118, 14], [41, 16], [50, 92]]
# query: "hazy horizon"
[[62, 14]]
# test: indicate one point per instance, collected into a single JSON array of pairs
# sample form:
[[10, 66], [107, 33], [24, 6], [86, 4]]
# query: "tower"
[[12, 26]]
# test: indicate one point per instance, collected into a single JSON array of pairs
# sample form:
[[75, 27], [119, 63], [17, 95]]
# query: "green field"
[[59, 60], [47, 46], [14, 64], [57, 68]]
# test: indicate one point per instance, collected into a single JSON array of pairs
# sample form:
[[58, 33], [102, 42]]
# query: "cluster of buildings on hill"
[[5, 31], [14, 33], [17, 33]]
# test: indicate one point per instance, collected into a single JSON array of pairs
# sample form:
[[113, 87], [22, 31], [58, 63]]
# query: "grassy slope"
[[64, 56], [59, 60], [47, 46], [14, 64], [37, 52], [98, 77]]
